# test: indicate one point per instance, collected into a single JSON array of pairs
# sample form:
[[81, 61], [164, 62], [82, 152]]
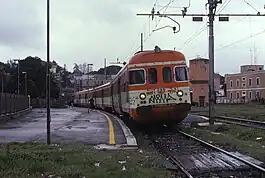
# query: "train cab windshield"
[[137, 77], [167, 74], [181, 74], [152, 75]]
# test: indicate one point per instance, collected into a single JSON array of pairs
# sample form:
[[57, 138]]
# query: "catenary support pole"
[[212, 6]]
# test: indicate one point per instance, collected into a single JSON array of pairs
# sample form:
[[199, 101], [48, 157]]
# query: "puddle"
[[76, 128]]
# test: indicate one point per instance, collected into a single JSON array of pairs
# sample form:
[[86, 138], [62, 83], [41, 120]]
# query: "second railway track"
[[242, 122], [196, 158]]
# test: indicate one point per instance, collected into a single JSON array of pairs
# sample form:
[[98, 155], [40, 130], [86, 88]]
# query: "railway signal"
[[212, 4]]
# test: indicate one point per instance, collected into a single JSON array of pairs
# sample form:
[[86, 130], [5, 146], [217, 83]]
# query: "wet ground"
[[69, 125]]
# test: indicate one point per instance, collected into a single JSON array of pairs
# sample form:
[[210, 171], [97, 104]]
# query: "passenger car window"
[[136, 77], [152, 73], [181, 74], [167, 75]]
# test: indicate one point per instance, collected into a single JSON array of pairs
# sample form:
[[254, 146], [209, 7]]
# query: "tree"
[[36, 77]]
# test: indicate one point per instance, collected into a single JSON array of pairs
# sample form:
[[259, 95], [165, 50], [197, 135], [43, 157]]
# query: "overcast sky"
[[91, 30]]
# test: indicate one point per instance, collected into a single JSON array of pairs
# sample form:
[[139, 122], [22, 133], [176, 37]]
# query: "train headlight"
[[142, 96], [180, 93]]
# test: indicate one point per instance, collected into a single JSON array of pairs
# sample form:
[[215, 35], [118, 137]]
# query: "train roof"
[[82, 91], [151, 56], [102, 86]]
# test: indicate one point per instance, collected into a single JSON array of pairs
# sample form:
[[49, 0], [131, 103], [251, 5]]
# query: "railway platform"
[[71, 125]]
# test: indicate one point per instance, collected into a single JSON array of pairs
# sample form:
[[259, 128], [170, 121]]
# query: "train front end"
[[159, 89]]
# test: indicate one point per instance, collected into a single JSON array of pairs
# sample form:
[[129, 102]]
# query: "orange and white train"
[[152, 87]]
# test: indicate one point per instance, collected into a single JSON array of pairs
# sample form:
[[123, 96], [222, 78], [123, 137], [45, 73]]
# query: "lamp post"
[[18, 85], [26, 83], [48, 76]]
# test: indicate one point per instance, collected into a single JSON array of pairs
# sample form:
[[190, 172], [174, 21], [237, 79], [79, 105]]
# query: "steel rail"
[[173, 159], [240, 122], [225, 152], [240, 119], [178, 163]]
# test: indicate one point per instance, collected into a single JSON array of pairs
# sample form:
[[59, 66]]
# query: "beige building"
[[199, 78], [247, 85]]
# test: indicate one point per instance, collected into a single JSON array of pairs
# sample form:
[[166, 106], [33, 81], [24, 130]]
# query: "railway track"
[[197, 158], [242, 122]]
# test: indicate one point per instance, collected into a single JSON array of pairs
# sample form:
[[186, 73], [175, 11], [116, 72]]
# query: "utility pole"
[[142, 42], [48, 95], [199, 18], [212, 9]]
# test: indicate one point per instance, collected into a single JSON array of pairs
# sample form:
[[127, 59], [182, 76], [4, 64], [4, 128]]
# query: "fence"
[[239, 101], [11, 103]]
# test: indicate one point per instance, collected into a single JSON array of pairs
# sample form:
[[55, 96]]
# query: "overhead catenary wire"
[[241, 40], [197, 34], [150, 34]]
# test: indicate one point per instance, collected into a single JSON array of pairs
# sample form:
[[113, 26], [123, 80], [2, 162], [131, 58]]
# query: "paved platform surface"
[[68, 125], [73, 125]]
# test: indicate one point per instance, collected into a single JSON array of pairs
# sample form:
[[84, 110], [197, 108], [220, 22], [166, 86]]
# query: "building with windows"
[[247, 85], [199, 79]]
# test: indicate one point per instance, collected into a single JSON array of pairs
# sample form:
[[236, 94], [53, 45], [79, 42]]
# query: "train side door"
[[119, 94], [102, 98]]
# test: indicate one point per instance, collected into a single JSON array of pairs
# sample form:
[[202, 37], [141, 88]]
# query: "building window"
[[243, 93], [237, 95], [250, 95], [231, 83], [243, 84], [237, 82], [249, 82], [167, 75], [152, 73], [231, 95], [257, 94], [181, 74], [137, 77], [243, 78], [257, 81]]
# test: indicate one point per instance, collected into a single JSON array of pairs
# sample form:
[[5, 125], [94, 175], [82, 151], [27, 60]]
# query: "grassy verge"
[[246, 111], [38, 160], [233, 138]]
